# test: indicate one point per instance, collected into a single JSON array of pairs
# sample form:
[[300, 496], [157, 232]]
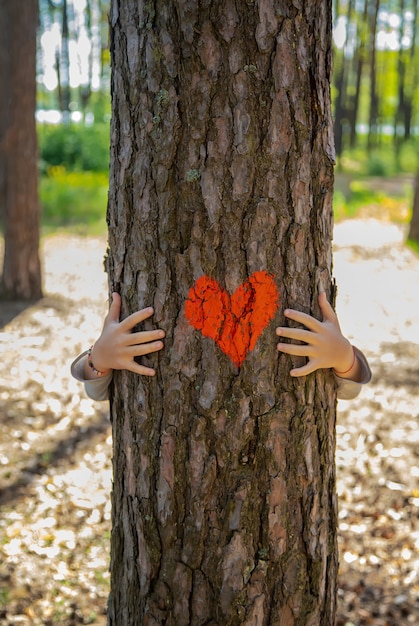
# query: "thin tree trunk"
[[64, 66], [21, 277], [414, 222], [342, 105], [373, 114], [359, 66], [412, 80], [401, 87], [224, 506]]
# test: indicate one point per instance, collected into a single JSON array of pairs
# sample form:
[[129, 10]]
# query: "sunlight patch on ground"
[[376, 291], [367, 233]]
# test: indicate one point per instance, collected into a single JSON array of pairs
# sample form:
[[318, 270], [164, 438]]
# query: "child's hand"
[[324, 344], [117, 345]]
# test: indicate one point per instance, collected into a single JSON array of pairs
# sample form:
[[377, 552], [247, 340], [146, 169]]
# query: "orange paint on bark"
[[234, 322]]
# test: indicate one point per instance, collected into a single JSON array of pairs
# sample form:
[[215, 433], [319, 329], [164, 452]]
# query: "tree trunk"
[[18, 150], [373, 129], [412, 72], [359, 68], [399, 116], [64, 65], [414, 221], [342, 102], [224, 507]]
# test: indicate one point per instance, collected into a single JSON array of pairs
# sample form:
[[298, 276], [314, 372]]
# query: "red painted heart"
[[234, 322]]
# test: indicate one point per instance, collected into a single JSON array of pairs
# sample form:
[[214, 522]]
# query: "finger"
[[304, 370], [114, 309], [145, 336], [303, 318], [142, 370], [146, 348], [297, 334], [136, 318], [291, 348], [326, 308]]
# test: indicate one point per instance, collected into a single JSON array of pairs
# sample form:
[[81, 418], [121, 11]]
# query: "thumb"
[[114, 309], [326, 308]]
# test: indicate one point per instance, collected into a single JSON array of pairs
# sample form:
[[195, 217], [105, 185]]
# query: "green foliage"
[[360, 196], [378, 165], [100, 105], [74, 146], [413, 245], [74, 201], [391, 70], [376, 184], [408, 157], [382, 198], [383, 161], [4, 596]]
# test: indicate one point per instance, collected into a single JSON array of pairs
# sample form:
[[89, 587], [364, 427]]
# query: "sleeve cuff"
[[348, 389], [96, 388]]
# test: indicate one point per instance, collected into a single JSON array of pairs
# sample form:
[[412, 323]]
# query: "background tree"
[[406, 77], [63, 66], [21, 277], [342, 75], [373, 120], [376, 63], [359, 60], [76, 34], [413, 234], [224, 507]]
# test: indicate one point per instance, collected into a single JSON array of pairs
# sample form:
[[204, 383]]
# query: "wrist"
[[347, 365], [95, 367]]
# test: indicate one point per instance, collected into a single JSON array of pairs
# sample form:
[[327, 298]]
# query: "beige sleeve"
[[97, 388], [349, 389]]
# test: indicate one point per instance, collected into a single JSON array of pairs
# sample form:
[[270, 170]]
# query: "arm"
[[347, 388], [116, 348], [324, 345], [97, 388]]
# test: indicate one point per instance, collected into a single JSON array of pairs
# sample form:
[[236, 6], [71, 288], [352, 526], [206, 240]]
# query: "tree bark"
[[224, 506], [21, 277]]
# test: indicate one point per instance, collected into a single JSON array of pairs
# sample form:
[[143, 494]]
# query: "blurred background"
[[375, 100], [73, 112], [55, 443]]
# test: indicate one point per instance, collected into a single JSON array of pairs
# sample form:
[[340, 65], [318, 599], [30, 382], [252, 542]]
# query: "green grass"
[[4, 596], [365, 202], [381, 161], [379, 197], [74, 201], [413, 245], [75, 146], [377, 184]]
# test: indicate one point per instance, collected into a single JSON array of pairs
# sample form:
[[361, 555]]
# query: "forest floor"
[[55, 444]]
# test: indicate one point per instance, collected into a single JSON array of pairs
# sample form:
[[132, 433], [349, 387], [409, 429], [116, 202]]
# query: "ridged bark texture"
[[224, 509]]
